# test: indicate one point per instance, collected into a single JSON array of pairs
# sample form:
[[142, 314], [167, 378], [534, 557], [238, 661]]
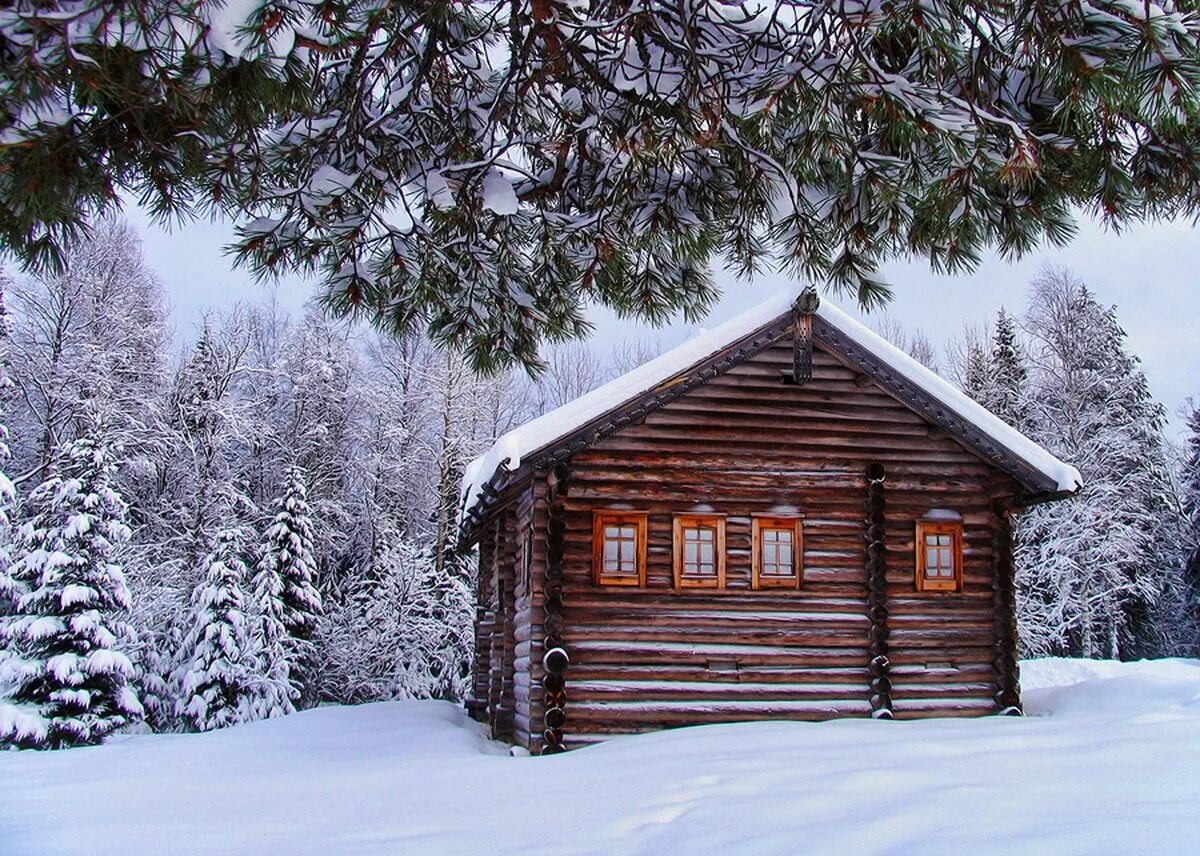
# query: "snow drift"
[[1105, 763]]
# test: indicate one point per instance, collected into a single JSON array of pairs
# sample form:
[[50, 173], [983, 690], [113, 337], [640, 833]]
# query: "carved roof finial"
[[808, 301]]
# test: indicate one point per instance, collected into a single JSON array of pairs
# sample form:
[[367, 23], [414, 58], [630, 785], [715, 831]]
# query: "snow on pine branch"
[[483, 169]]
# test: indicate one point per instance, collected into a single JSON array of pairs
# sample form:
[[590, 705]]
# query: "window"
[[699, 551], [619, 548], [778, 551], [939, 556]]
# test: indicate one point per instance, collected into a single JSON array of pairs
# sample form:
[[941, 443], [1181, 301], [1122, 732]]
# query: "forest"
[[263, 519]]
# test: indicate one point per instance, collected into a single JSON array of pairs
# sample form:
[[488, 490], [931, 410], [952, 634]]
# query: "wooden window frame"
[[601, 519], [685, 521], [954, 528], [757, 527]]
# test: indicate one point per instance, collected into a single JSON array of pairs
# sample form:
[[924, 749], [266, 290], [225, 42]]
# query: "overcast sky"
[[1151, 274]]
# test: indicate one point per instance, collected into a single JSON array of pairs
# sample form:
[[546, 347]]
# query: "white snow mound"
[[1104, 763]]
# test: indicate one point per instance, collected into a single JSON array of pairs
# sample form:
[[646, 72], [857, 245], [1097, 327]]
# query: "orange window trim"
[[602, 520], [685, 523], [927, 529], [760, 526]]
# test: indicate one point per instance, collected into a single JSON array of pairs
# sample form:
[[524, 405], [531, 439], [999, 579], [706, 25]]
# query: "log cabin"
[[785, 517]]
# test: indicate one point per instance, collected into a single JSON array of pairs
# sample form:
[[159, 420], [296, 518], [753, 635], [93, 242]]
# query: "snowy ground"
[[1107, 762]]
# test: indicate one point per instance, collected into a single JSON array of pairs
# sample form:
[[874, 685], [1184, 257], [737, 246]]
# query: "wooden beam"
[[877, 596], [1004, 613], [555, 660]]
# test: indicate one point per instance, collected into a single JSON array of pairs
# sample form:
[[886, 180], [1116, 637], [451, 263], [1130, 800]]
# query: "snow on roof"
[[521, 442]]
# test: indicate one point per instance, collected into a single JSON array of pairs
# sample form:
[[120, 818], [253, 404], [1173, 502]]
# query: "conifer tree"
[[1008, 375], [976, 373], [274, 692], [285, 588], [218, 659], [289, 550], [486, 168], [68, 667]]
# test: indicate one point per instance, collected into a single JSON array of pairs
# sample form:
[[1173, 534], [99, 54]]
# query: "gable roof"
[[540, 442]]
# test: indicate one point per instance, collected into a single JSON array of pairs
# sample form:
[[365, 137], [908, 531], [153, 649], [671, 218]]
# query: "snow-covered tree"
[[487, 168], [572, 369], [323, 405], [218, 660], [1190, 489], [915, 344], [8, 496], [1095, 575], [275, 692], [1006, 389], [97, 324], [68, 674], [289, 551], [406, 630], [287, 604], [975, 372]]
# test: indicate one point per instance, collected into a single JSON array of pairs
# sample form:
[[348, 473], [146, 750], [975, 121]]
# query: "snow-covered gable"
[[521, 443]]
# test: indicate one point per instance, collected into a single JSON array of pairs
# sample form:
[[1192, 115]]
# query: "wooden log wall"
[[485, 616], [556, 659], [747, 444], [1004, 605], [495, 671], [507, 679], [523, 619], [877, 606]]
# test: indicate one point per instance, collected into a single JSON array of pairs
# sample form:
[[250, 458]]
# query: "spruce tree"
[[1008, 374], [218, 672], [274, 692], [285, 590], [289, 548], [976, 373], [67, 634]]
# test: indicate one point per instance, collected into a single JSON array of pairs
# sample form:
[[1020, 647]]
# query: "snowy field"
[[1107, 762]]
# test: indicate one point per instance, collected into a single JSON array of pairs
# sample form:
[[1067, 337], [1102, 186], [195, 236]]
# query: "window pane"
[[627, 559], [777, 552], [944, 540]]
